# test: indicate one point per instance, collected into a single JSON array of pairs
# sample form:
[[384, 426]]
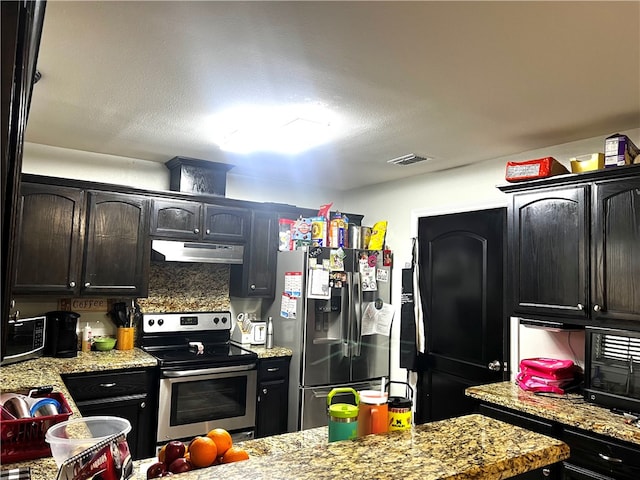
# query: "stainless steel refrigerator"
[[330, 337]]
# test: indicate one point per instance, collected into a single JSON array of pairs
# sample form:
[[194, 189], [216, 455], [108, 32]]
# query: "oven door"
[[193, 402]]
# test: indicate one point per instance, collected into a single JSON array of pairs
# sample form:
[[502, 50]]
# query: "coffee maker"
[[61, 340]]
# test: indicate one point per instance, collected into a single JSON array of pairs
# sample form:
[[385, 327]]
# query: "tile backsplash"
[[187, 287]]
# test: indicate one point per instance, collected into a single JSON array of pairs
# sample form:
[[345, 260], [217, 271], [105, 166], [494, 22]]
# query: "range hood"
[[194, 252]]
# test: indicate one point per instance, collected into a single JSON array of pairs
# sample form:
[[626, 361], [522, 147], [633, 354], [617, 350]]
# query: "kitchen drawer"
[[109, 384], [601, 456], [535, 424], [273, 368]]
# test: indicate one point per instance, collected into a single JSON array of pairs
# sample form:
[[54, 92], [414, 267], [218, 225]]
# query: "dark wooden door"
[[176, 219], [117, 253], [226, 224], [615, 237], [48, 250], [461, 285], [256, 276], [550, 254]]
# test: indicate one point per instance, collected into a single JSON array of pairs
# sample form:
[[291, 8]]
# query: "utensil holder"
[[124, 338]]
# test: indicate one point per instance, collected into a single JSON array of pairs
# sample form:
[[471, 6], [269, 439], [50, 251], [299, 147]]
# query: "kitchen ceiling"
[[461, 82]]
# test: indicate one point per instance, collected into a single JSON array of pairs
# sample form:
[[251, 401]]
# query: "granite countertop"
[[569, 409], [48, 370], [466, 447], [270, 352]]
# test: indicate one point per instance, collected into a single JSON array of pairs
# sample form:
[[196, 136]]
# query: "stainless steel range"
[[206, 381]]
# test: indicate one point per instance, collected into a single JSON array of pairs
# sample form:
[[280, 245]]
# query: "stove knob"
[[151, 322], [224, 319], [160, 322], [216, 320]]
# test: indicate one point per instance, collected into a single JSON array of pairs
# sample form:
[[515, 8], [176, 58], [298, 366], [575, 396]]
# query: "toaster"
[[258, 333]]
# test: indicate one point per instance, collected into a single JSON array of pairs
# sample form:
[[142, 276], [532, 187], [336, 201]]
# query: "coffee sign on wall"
[[84, 304]]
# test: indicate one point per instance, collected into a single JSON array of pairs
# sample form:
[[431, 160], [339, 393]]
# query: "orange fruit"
[[161, 453], [222, 439], [235, 454], [202, 452]]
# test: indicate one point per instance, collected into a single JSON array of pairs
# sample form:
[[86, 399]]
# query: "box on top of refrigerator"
[[619, 150]]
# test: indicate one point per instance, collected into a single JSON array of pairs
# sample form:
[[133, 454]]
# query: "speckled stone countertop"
[[270, 352], [466, 447], [570, 409], [48, 370]]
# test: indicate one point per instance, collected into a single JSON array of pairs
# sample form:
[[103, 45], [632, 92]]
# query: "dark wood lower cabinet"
[[273, 390], [127, 394], [592, 456]]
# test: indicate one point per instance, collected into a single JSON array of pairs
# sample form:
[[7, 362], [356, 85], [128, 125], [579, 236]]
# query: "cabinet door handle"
[[252, 287], [580, 306], [108, 385], [264, 390], [273, 369], [143, 405], [208, 231], [546, 472], [196, 230], [72, 284], [609, 459], [597, 308], [87, 285]]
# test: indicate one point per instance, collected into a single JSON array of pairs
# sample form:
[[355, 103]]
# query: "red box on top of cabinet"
[[532, 169]]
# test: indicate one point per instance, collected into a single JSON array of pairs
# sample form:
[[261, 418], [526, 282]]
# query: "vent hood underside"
[[176, 251]]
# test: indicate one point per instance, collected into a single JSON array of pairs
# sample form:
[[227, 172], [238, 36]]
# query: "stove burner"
[[192, 340]]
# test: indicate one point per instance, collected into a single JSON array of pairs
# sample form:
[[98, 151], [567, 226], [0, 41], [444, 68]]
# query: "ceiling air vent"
[[408, 159]]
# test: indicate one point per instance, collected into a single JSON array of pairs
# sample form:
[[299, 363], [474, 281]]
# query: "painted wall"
[[399, 202]]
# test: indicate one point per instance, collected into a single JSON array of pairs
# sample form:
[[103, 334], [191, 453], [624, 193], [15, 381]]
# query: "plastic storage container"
[[73, 436], [24, 438]]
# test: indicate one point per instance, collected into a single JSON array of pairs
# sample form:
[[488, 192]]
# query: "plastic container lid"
[[400, 402], [373, 397], [343, 410]]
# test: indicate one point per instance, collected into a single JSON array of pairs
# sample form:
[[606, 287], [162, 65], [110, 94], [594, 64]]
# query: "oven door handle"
[[207, 371]]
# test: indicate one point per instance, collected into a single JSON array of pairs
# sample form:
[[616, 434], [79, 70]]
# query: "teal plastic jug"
[[343, 417]]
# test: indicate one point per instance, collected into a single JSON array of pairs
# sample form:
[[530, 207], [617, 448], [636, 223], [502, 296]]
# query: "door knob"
[[72, 284], [208, 231], [597, 308], [495, 366], [196, 230]]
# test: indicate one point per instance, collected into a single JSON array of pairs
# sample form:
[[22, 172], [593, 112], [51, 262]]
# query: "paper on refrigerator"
[[377, 321]]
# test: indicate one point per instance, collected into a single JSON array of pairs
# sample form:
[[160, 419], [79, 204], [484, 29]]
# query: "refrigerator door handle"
[[346, 317], [357, 314]]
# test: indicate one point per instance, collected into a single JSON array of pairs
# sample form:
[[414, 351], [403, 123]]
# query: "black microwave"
[[612, 367], [25, 339]]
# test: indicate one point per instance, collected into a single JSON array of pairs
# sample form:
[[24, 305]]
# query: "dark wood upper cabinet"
[[615, 245], [176, 219], [256, 276], [226, 224], [117, 252], [48, 250], [74, 242], [573, 248], [187, 220], [549, 252]]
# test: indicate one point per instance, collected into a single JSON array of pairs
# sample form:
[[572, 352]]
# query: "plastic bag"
[[378, 232]]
